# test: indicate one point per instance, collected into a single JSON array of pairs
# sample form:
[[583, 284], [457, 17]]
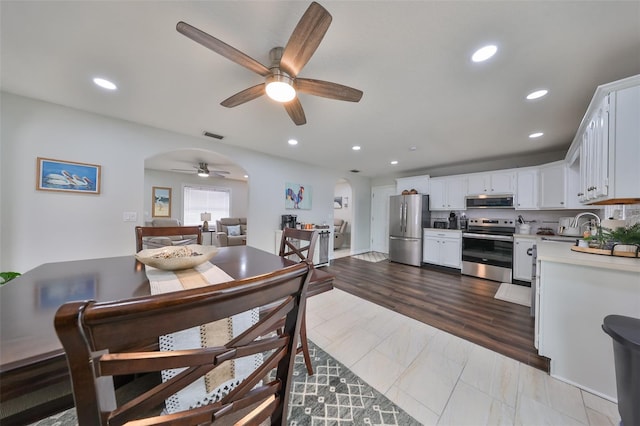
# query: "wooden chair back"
[[166, 231], [298, 242], [100, 341]]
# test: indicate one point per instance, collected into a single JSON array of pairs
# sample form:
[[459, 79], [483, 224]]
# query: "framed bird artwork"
[[297, 196]]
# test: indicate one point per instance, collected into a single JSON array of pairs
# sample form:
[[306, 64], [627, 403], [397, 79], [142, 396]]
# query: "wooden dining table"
[[32, 360]]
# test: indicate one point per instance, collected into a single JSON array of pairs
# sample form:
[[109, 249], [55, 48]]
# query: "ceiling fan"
[[202, 169], [281, 77]]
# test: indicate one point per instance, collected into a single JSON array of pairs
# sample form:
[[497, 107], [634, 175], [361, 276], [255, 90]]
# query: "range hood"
[[492, 201]]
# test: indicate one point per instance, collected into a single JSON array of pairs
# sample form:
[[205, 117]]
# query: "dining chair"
[[299, 244], [160, 236], [100, 341]]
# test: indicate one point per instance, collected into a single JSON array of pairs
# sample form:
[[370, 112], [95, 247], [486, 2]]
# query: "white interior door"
[[380, 217]]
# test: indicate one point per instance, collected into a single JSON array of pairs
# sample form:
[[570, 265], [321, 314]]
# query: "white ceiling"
[[411, 59]]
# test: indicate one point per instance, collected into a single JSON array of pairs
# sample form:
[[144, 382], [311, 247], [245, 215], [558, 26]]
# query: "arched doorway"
[[179, 170]]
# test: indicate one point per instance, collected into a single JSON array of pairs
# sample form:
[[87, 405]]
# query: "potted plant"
[[5, 277], [607, 239]]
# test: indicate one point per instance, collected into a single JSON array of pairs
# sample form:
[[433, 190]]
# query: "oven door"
[[488, 249]]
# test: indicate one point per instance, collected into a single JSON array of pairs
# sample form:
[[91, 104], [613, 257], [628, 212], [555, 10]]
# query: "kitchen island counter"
[[561, 253], [576, 291]]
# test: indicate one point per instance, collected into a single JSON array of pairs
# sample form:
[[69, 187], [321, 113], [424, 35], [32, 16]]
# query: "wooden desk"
[[31, 357]]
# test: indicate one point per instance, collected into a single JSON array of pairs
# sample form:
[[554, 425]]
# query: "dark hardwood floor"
[[458, 304]]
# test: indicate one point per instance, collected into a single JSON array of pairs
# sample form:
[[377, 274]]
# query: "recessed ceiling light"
[[412, 148], [356, 147], [105, 84], [536, 135], [537, 94], [394, 162], [484, 53], [246, 176], [293, 142]]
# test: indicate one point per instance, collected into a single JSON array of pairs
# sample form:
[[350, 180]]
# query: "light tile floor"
[[341, 252], [440, 379]]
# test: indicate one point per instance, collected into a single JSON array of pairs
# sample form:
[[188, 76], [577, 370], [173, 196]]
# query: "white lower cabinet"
[[522, 258], [442, 247]]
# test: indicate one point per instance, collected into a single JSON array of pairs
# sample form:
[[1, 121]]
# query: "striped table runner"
[[217, 383]]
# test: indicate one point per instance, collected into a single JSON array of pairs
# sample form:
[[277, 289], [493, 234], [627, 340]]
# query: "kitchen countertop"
[[552, 251], [562, 238], [443, 230]]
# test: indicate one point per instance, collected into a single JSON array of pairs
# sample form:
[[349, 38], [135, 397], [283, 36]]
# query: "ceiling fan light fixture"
[[203, 170], [280, 88]]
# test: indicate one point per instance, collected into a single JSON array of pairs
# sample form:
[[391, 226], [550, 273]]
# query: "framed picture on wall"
[[161, 202], [67, 176], [297, 196], [337, 202]]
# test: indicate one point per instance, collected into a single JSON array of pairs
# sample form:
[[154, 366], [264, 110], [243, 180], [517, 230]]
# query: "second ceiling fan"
[[281, 77]]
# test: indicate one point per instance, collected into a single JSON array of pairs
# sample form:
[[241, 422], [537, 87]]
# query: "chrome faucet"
[[575, 224]]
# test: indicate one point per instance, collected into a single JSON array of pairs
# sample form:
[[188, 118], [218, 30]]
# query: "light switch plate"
[[129, 216]]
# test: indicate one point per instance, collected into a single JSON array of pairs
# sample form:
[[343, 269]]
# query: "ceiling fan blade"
[[220, 172], [222, 48], [305, 39], [327, 89], [244, 96], [295, 111]]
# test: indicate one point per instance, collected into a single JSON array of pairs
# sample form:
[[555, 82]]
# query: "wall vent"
[[213, 135]]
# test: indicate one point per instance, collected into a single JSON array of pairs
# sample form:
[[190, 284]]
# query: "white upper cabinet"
[[447, 193], [419, 183], [606, 148], [527, 189], [553, 185], [499, 182]]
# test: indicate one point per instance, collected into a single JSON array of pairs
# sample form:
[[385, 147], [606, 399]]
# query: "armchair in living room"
[[231, 231], [339, 231]]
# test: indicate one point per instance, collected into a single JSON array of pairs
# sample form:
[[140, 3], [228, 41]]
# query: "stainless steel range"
[[487, 249]]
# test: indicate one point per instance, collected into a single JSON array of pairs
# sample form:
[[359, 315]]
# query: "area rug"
[[332, 396], [372, 256], [514, 293]]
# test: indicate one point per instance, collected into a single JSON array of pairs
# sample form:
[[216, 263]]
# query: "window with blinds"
[[200, 199]]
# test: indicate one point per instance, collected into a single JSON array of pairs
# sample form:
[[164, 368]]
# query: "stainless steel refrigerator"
[[408, 215]]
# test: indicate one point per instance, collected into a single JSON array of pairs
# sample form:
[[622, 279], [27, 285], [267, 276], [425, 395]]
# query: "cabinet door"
[[522, 261], [451, 252], [455, 192], [527, 190], [431, 250], [476, 184], [501, 183], [552, 186], [419, 183], [437, 194], [601, 151]]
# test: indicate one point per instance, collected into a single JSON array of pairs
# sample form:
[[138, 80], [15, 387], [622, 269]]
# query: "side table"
[[211, 232]]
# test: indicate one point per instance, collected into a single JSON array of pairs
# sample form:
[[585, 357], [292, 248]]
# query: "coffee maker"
[[453, 221], [288, 221]]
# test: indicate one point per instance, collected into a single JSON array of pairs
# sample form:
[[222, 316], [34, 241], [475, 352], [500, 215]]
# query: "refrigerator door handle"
[[404, 217], [415, 240]]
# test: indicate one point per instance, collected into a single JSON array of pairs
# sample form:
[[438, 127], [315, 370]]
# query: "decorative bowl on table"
[[175, 258]]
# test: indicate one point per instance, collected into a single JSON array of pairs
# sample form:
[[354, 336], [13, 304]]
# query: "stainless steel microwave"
[[490, 201]]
